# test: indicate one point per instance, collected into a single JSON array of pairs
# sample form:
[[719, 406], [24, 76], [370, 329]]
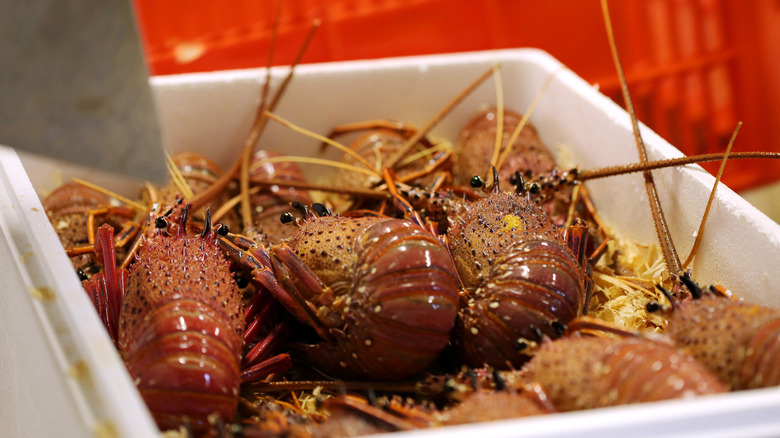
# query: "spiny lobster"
[[381, 293], [177, 318]]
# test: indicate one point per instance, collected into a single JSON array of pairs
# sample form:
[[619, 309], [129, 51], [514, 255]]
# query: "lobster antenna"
[[177, 177], [605, 172], [334, 143], [700, 232], [111, 194], [442, 146], [661, 226], [313, 160], [499, 116], [368, 193], [254, 135], [257, 129], [524, 119], [437, 118]]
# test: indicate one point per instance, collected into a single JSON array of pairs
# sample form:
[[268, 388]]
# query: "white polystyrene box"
[[211, 114]]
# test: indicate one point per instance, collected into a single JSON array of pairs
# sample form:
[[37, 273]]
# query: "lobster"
[[476, 144], [738, 341], [270, 203], [384, 140], [353, 416], [75, 211], [380, 293], [192, 174], [521, 282], [178, 320], [583, 372]]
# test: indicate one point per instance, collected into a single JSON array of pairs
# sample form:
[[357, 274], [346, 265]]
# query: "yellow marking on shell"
[[513, 221], [42, 293]]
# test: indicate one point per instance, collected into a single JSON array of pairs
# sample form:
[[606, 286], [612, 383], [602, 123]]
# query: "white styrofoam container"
[[43, 340]]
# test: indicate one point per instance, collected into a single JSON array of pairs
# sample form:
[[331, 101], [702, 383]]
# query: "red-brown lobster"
[[582, 372], [353, 416], [737, 341], [76, 211], [177, 318], [521, 281], [383, 141], [381, 293], [476, 144], [270, 203]]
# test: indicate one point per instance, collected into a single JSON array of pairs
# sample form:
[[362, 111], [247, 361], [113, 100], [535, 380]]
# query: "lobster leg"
[[106, 289], [303, 293], [577, 240], [121, 211], [275, 365], [298, 284]]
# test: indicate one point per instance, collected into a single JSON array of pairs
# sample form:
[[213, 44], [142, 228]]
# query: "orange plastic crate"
[[695, 67]]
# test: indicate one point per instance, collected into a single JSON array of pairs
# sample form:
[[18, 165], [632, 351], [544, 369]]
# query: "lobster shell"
[[739, 342], [394, 294], [535, 288], [522, 283], [582, 372], [476, 141], [180, 327]]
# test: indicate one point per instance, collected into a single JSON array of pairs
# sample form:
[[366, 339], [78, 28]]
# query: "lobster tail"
[[531, 292], [185, 360], [408, 289], [393, 314]]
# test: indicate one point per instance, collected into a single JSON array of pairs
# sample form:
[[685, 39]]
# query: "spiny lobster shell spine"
[[180, 327], [739, 342], [396, 295], [533, 290], [483, 231]]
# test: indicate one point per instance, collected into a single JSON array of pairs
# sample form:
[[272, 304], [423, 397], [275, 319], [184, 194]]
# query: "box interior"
[[211, 114]]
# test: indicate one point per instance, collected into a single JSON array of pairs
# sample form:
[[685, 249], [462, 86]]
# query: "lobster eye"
[[223, 230], [476, 182], [286, 217], [160, 222]]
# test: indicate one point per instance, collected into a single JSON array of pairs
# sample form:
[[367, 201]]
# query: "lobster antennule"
[[693, 288]]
